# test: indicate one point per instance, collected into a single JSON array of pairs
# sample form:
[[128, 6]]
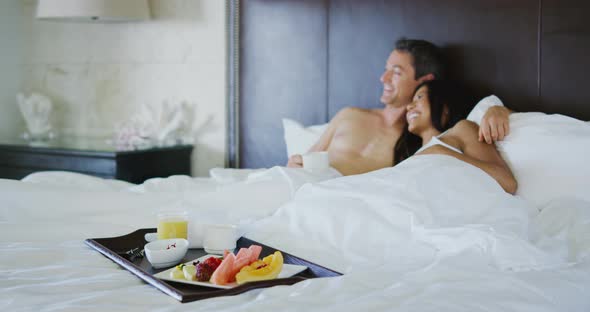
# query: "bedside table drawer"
[[18, 161], [40, 161]]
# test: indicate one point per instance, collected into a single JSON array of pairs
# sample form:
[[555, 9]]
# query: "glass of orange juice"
[[172, 224]]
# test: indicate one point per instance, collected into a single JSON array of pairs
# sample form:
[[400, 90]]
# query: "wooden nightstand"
[[19, 158]]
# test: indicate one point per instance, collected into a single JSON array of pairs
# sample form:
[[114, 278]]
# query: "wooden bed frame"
[[307, 59]]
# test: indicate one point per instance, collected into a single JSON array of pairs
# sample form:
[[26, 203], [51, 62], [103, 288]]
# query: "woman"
[[432, 111]]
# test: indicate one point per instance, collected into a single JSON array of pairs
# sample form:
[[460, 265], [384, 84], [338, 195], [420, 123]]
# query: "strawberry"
[[213, 262]]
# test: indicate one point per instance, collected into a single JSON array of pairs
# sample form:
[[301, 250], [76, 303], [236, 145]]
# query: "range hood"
[[93, 11]]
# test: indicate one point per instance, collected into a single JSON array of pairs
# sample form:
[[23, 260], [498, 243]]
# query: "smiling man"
[[362, 140]]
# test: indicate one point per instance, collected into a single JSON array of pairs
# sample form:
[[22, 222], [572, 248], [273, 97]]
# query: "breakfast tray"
[[115, 248]]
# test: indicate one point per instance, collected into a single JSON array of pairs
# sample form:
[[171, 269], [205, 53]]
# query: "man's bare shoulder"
[[356, 111]]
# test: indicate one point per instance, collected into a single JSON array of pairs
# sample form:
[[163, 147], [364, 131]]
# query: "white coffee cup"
[[316, 161], [219, 237]]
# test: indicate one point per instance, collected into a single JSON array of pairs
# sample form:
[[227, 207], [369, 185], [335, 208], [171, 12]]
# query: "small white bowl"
[[166, 252]]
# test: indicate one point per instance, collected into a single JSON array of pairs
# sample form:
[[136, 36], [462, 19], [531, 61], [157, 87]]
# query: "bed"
[[430, 234]]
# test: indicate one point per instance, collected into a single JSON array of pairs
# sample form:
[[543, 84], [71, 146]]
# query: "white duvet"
[[431, 234]]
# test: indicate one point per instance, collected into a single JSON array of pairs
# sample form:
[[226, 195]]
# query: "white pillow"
[[300, 139], [548, 155], [482, 106]]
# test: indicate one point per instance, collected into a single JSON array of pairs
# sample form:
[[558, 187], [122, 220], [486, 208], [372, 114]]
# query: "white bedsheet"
[[230, 195], [431, 234]]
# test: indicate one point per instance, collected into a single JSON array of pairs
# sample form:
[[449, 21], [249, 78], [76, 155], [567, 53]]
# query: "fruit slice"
[[189, 272], [242, 259], [177, 272], [254, 252], [223, 274], [268, 268]]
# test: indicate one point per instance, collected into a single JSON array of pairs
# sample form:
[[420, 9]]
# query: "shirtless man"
[[360, 140]]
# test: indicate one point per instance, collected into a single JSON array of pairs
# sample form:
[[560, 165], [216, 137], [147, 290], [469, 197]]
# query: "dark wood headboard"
[[307, 59]]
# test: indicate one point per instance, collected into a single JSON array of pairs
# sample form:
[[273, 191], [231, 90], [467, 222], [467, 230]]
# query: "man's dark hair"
[[427, 57]]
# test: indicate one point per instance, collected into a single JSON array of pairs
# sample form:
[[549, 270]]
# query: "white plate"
[[287, 271]]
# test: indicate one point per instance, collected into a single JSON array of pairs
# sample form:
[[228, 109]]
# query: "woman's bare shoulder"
[[465, 130], [465, 126], [462, 133]]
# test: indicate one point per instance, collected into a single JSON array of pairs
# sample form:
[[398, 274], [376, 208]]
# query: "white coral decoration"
[[36, 110], [162, 125]]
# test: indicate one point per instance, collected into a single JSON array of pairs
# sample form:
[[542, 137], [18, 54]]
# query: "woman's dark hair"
[[444, 94], [441, 95], [407, 144]]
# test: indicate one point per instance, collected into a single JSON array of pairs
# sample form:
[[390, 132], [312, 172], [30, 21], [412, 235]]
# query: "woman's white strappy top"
[[436, 141]]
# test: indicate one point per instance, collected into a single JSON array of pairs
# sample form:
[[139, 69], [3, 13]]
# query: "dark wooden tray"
[[114, 248]]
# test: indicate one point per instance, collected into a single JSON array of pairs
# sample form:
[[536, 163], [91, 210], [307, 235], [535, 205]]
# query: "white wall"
[[98, 75], [11, 60]]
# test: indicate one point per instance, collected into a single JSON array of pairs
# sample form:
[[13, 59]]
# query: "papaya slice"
[[261, 270]]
